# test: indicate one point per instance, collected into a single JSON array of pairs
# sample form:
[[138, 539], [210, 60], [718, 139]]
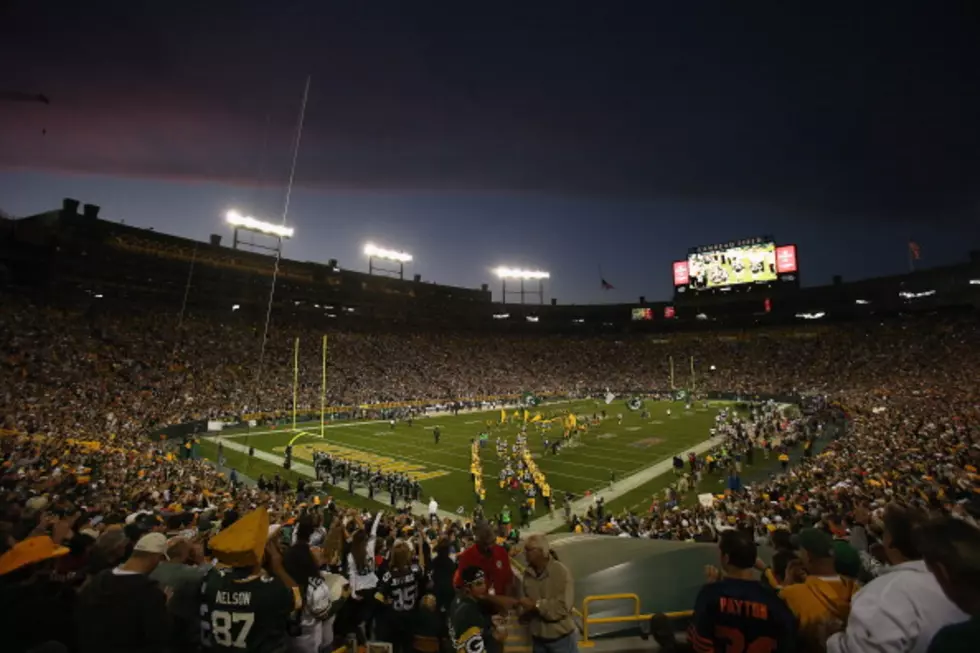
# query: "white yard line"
[[542, 524], [549, 523], [315, 428]]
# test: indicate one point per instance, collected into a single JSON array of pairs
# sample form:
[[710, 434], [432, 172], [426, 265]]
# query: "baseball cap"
[[816, 542], [37, 504], [472, 575], [152, 543], [30, 551]]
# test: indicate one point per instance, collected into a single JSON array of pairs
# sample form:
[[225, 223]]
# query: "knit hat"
[[472, 575], [816, 542], [243, 543]]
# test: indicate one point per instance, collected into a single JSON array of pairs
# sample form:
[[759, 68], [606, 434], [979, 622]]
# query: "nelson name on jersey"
[[233, 598]]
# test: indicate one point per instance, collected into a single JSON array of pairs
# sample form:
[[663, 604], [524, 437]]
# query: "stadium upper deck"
[[78, 256]]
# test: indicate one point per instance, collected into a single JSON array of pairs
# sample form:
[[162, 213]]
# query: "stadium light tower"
[[504, 273], [241, 222], [374, 252]]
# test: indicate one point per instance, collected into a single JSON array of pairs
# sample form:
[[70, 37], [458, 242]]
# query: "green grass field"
[[604, 450]]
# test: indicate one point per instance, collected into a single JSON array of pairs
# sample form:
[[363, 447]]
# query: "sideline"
[[548, 523], [418, 507]]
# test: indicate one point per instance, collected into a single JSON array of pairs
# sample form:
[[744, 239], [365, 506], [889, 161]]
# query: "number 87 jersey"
[[245, 612]]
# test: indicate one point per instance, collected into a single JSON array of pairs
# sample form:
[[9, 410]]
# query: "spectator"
[[35, 610], [248, 600], [470, 628], [400, 594], [363, 578], [81, 392], [181, 575], [734, 610], [904, 607], [109, 550], [950, 548], [317, 616], [489, 556], [822, 602], [549, 598], [122, 610], [847, 562], [441, 571]]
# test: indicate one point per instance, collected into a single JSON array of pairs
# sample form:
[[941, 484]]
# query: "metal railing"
[[635, 618], [517, 644]]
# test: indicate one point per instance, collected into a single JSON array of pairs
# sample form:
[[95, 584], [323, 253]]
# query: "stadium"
[[152, 379]]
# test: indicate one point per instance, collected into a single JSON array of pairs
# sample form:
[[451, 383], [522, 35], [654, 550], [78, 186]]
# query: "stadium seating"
[[83, 381]]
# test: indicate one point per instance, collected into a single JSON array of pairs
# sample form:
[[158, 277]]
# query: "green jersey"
[[241, 612], [470, 630]]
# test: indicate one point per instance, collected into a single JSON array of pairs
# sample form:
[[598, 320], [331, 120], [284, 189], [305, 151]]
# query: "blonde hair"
[[401, 555]]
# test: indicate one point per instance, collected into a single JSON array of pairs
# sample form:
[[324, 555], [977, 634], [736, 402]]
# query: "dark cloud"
[[856, 109]]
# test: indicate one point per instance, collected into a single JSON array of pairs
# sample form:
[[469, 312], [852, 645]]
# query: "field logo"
[[634, 403], [387, 465]]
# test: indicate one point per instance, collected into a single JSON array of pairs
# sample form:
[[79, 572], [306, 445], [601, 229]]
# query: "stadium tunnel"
[[620, 582]]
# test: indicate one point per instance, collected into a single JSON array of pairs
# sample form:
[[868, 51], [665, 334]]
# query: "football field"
[[605, 451]]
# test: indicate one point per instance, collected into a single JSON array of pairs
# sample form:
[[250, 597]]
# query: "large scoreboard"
[[736, 265]]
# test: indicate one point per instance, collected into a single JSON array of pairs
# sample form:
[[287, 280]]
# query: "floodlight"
[[374, 251], [239, 221], [504, 272]]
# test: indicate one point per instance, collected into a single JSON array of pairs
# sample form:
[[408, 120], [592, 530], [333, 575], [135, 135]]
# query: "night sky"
[[561, 135]]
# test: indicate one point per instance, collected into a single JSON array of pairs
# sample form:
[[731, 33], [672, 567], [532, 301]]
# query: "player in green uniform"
[[470, 629], [242, 607]]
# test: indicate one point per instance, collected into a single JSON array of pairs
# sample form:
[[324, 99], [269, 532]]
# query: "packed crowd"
[[101, 369], [96, 517]]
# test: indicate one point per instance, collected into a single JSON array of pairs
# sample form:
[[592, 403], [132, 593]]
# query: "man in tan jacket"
[[548, 599]]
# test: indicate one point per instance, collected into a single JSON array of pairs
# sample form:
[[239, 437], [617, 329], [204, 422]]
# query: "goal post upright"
[[295, 379], [323, 386]]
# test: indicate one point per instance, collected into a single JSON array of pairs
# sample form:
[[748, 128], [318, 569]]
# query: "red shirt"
[[496, 567]]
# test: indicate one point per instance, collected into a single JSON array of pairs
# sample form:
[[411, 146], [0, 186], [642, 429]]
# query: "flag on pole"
[[914, 250], [606, 285]]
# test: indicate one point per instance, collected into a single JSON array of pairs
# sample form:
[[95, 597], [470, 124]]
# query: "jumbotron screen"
[[732, 265]]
